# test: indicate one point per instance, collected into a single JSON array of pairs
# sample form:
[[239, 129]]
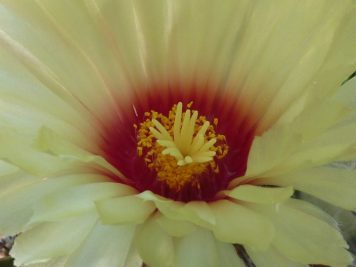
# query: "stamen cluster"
[[181, 146]]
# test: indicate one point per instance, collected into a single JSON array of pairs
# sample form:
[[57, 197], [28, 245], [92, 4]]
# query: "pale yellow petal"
[[50, 240], [197, 249], [175, 228], [196, 212], [14, 181], [238, 224], [59, 262], [304, 238], [313, 210], [49, 141], [334, 144], [15, 210], [336, 186], [29, 160], [309, 55], [71, 74], [302, 142], [6, 169], [341, 219], [126, 209], [17, 204], [347, 93], [133, 258], [76, 200], [25, 110], [270, 149], [200, 212], [271, 258], [155, 246], [259, 194], [228, 255], [105, 245], [296, 147]]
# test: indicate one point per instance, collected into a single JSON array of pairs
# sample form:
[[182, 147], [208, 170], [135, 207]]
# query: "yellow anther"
[[184, 143], [181, 146]]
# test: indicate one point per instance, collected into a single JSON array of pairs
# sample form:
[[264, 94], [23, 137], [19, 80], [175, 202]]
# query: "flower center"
[[181, 146], [180, 151]]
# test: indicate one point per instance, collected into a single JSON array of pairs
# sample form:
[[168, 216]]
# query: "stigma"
[[181, 146]]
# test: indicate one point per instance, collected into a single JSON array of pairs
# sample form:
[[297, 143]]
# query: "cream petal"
[[336, 186], [19, 116], [186, 46], [333, 142], [326, 114], [60, 262], [199, 211], [126, 209], [43, 73], [333, 145], [343, 220], [196, 212], [70, 72], [17, 205], [15, 209], [313, 210], [133, 258], [50, 240], [146, 42], [259, 194], [304, 238], [175, 228], [221, 217], [25, 109], [76, 200], [292, 68], [155, 246], [270, 149], [49, 141], [238, 224], [303, 143], [228, 255], [197, 249], [338, 65], [64, 23], [30, 160], [347, 93], [123, 26], [106, 245], [6, 169], [270, 258], [48, 153], [15, 181]]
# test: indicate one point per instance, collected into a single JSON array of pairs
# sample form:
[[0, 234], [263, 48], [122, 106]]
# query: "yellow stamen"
[[180, 146], [186, 148]]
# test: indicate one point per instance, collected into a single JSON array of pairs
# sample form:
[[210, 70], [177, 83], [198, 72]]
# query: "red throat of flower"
[[182, 144]]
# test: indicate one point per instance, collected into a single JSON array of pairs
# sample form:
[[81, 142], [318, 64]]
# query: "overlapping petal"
[[105, 246], [322, 243], [17, 203], [126, 209], [261, 195], [155, 246], [76, 200], [40, 239], [340, 185]]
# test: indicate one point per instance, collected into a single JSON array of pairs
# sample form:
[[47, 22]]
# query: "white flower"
[[166, 132]]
